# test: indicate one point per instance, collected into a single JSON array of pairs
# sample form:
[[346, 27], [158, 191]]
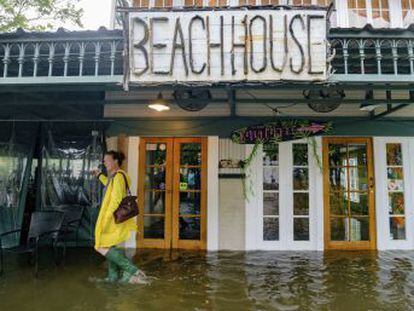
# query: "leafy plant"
[[38, 15], [292, 126]]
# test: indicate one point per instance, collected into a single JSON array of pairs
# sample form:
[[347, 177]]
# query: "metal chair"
[[71, 223], [44, 230]]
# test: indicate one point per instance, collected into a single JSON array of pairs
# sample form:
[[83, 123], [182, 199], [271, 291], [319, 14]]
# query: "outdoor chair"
[[44, 230], [71, 223]]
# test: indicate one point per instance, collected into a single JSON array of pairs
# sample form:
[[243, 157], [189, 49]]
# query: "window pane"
[[189, 228], [153, 227], [339, 203], [190, 154], [300, 154], [270, 178], [397, 228], [359, 229], [156, 154], [190, 203], [396, 203], [300, 179], [395, 179], [154, 202], [358, 203], [271, 155], [338, 155], [338, 180], [301, 229], [394, 154], [155, 178], [270, 229], [301, 203], [357, 154], [357, 13], [358, 179], [141, 3], [190, 178], [271, 204], [339, 228]]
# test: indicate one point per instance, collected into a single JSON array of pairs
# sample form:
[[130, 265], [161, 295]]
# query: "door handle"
[[371, 184]]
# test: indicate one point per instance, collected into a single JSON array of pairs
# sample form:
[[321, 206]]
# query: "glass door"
[[189, 198], [349, 194], [172, 193], [155, 192]]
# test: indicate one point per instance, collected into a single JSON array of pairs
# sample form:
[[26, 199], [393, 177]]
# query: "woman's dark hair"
[[118, 156]]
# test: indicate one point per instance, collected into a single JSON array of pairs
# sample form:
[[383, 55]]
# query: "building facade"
[[226, 66]]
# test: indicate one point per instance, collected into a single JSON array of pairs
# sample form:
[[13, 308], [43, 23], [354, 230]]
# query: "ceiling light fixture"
[[159, 104]]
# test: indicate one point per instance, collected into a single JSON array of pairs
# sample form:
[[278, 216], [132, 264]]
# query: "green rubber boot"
[[130, 273], [113, 272]]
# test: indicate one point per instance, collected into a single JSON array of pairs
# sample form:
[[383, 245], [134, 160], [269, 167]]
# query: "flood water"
[[218, 281]]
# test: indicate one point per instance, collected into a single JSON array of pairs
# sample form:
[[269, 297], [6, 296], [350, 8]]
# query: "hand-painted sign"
[[228, 45], [279, 131]]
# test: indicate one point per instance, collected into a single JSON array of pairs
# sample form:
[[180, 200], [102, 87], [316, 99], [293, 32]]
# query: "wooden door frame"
[[154, 243], [357, 245], [176, 242], [171, 225]]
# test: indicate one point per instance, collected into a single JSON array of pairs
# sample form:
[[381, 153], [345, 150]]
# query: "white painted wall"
[[213, 203], [132, 170]]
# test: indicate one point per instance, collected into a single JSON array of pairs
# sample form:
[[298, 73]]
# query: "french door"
[[172, 193], [349, 193]]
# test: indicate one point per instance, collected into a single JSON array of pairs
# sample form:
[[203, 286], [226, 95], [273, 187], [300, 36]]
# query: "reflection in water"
[[220, 281]]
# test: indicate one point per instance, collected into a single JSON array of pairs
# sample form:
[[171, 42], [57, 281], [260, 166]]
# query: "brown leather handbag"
[[128, 208]]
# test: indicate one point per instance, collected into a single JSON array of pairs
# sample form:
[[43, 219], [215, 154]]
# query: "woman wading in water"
[[108, 234]]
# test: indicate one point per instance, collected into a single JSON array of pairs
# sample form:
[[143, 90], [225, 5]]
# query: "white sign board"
[[228, 46]]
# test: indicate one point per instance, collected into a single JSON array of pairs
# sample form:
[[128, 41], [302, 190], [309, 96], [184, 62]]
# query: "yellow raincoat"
[[107, 232]]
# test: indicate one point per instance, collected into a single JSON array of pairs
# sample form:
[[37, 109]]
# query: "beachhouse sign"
[[228, 45]]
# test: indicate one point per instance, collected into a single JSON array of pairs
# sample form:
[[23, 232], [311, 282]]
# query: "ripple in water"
[[218, 281]]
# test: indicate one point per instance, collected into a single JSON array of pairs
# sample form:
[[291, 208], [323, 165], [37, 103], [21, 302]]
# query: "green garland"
[[245, 164]]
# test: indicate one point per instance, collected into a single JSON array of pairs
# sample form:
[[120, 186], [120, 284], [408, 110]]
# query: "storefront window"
[[395, 186], [141, 3], [357, 13], [407, 12], [217, 2], [271, 193], [162, 3], [300, 192], [380, 13], [193, 3]]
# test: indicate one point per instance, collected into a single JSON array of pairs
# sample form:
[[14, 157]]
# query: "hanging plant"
[[274, 133]]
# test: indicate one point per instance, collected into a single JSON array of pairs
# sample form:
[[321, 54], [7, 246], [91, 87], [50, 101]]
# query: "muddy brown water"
[[217, 281]]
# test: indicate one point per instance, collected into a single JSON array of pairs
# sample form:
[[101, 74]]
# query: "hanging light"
[[159, 104]]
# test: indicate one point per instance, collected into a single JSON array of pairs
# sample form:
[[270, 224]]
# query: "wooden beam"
[[231, 94], [271, 101], [389, 111]]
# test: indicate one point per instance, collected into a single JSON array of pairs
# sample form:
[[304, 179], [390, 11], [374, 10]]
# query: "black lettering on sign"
[[285, 45], [155, 45], [211, 45], [190, 43], [264, 34], [222, 44], [238, 45], [141, 44], [310, 18], [299, 45], [178, 33]]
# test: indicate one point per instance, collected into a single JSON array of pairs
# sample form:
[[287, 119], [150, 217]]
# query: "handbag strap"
[[126, 182]]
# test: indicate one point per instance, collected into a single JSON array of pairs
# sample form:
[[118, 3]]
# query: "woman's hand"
[[95, 172]]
